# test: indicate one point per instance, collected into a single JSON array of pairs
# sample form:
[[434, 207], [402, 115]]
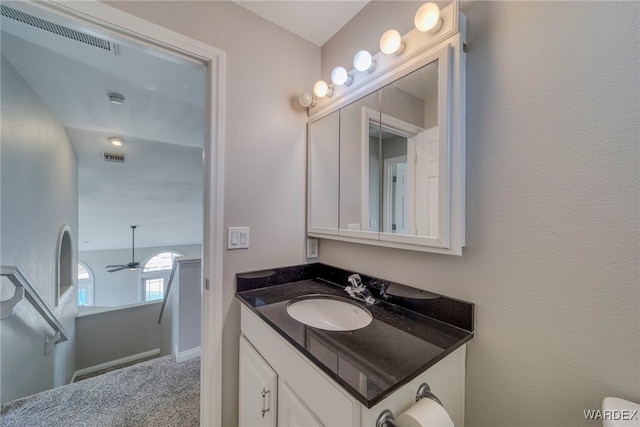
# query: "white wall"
[[552, 206], [265, 159], [101, 338], [189, 303], [39, 187], [123, 287]]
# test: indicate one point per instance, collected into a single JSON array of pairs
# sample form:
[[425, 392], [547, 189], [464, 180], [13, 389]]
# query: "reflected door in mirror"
[[359, 173], [409, 123]]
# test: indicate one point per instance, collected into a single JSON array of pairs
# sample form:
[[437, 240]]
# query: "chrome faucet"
[[358, 290]]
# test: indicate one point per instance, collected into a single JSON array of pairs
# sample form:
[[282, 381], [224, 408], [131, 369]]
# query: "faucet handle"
[[350, 291], [355, 280]]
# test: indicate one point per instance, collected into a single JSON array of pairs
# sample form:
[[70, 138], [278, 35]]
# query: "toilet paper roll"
[[425, 413]]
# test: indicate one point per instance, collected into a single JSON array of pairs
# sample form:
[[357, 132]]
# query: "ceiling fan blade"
[[133, 265]]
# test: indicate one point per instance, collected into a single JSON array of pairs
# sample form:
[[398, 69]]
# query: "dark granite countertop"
[[407, 335]]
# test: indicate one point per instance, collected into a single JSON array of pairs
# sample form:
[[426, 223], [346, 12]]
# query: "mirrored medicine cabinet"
[[386, 162]]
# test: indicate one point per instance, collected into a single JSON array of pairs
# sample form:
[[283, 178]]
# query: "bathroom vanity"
[[292, 374]]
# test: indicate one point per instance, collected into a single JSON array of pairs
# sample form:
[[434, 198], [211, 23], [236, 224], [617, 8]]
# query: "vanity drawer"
[[329, 403]]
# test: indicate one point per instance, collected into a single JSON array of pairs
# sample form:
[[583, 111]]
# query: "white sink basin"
[[329, 313]]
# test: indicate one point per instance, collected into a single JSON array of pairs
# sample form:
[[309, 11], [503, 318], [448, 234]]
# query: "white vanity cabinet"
[[258, 388], [292, 412], [307, 396]]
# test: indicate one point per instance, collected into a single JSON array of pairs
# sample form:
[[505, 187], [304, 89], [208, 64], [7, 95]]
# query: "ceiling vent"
[[56, 29], [114, 157]]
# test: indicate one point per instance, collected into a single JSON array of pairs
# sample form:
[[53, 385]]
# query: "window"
[[85, 284], [155, 275]]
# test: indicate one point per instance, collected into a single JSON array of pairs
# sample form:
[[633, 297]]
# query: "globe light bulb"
[[322, 89], [391, 42], [363, 61], [340, 76], [427, 18], [305, 99]]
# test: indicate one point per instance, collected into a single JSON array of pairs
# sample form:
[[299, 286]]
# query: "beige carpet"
[[159, 392]]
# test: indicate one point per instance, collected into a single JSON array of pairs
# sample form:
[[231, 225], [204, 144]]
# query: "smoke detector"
[[116, 140]]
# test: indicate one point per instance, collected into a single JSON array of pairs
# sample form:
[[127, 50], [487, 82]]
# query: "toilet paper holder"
[[386, 418], [425, 391]]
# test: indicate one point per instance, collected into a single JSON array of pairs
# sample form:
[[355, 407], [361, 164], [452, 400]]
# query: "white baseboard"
[[116, 362], [187, 354]]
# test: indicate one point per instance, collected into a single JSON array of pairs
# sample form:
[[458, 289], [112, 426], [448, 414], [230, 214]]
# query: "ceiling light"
[[322, 89], [116, 98], [363, 61], [116, 140], [305, 99], [427, 18], [391, 42], [340, 76]]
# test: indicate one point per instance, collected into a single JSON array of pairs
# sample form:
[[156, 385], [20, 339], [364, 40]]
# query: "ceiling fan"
[[133, 265]]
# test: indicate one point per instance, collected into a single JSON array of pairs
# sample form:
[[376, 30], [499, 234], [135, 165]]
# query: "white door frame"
[[122, 25]]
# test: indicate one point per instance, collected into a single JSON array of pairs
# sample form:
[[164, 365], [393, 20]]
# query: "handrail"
[[174, 267], [21, 283]]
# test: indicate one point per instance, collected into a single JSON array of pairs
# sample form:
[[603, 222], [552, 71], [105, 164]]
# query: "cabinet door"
[[291, 411], [258, 388], [324, 154]]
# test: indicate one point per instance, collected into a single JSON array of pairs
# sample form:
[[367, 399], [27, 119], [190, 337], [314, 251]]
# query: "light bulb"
[[340, 76], [116, 140], [427, 18], [322, 89], [305, 99], [362, 61], [391, 42]]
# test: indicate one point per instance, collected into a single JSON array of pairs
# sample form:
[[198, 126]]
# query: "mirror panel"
[[410, 132], [354, 179], [324, 174]]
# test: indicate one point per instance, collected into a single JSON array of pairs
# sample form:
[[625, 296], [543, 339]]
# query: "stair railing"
[[24, 289]]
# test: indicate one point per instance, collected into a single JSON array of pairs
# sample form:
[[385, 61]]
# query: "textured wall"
[[552, 207], [39, 186], [265, 159], [123, 287]]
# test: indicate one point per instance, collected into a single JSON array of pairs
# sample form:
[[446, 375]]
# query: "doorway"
[[127, 31]]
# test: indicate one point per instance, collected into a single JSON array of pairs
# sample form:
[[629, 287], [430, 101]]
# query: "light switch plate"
[[237, 237]]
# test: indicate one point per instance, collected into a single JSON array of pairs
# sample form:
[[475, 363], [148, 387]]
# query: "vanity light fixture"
[[340, 76], [306, 99], [116, 98], [427, 18], [391, 42], [363, 61], [322, 89], [116, 140]]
